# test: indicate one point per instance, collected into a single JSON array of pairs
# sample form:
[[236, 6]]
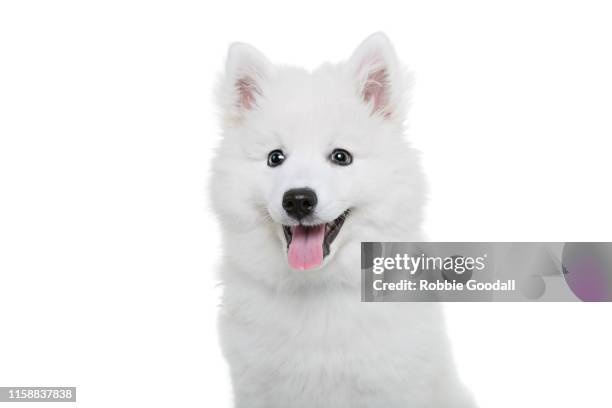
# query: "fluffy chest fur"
[[330, 350]]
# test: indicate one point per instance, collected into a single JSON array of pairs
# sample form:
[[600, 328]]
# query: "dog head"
[[312, 163]]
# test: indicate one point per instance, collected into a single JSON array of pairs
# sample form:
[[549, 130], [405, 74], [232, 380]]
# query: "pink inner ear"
[[247, 89], [376, 89]]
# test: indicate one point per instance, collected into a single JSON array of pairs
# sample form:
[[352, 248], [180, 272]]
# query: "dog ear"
[[246, 70], [380, 80]]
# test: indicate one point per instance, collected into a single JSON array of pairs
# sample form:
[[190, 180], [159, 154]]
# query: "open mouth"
[[307, 245]]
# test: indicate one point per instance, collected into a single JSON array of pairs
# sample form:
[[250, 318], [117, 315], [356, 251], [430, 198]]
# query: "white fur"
[[303, 338]]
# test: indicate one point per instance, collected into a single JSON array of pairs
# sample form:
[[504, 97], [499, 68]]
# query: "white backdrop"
[[107, 127]]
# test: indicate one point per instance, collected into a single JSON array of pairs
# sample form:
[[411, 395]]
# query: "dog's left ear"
[[243, 84], [380, 80]]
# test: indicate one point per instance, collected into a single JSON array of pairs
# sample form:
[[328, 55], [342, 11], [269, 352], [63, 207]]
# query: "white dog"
[[310, 165]]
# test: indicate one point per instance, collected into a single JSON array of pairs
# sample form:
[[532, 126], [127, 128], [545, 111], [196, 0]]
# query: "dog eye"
[[341, 157], [276, 158]]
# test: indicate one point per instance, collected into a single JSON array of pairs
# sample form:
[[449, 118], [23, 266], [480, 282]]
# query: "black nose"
[[299, 202]]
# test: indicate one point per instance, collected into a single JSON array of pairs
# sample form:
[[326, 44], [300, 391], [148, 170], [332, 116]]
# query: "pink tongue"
[[306, 247]]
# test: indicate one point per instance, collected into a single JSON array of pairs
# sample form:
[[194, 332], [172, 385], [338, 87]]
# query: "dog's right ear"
[[243, 84], [381, 82]]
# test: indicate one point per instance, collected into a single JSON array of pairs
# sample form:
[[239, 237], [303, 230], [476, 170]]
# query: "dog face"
[[314, 161]]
